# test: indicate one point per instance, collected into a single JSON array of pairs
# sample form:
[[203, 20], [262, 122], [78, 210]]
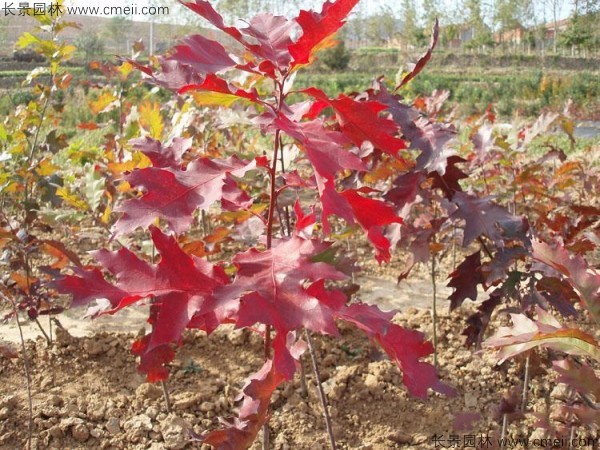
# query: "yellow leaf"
[[138, 161], [125, 69], [215, 98], [71, 199], [27, 39], [67, 50], [108, 210], [104, 103], [151, 119], [568, 126], [124, 187], [3, 134], [46, 168]]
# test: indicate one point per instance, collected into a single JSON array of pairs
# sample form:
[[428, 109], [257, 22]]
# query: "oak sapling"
[[283, 285]]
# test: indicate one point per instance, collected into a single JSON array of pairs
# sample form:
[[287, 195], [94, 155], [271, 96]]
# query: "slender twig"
[[26, 368], [434, 310], [485, 247], [266, 436], [165, 389], [434, 318], [322, 395], [272, 206], [525, 385], [303, 388], [270, 221], [34, 143], [453, 246], [504, 428], [48, 338]]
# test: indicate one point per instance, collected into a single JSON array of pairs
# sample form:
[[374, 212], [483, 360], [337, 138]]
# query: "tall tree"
[[381, 27], [412, 32], [582, 32], [556, 7], [117, 31], [474, 11], [4, 23], [431, 12]]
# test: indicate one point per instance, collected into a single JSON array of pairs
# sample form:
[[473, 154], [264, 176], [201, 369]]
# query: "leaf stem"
[[270, 220]]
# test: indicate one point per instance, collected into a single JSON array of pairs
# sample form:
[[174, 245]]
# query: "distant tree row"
[[471, 24]]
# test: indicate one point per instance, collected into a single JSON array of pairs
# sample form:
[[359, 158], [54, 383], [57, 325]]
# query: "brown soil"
[[87, 394]]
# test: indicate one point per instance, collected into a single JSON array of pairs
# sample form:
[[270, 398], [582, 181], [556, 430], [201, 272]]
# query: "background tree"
[[116, 31], [555, 8], [336, 58], [4, 44], [91, 45], [481, 35], [381, 27], [431, 11], [411, 31]]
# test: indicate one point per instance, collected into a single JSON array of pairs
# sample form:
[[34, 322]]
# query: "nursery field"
[[209, 249]]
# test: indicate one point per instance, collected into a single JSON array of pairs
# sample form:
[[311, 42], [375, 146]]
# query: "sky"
[[367, 7]]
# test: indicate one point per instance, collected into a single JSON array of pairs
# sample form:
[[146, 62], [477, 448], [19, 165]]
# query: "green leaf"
[[27, 39]]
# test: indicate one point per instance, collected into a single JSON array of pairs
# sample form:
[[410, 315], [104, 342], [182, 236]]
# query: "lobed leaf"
[[317, 28], [547, 332], [173, 194], [576, 271], [180, 286]]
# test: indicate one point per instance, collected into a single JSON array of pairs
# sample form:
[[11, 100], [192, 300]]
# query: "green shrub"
[[336, 58]]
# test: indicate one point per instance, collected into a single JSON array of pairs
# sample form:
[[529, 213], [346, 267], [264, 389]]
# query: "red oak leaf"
[[526, 334], [273, 34], [180, 285], [173, 75], [203, 54], [317, 27], [183, 78], [240, 432], [270, 286], [405, 347], [213, 83], [205, 9], [559, 293], [332, 202], [405, 190], [267, 37], [428, 137], [582, 378], [480, 319], [163, 156], [465, 279], [424, 58], [482, 217], [575, 270], [174, 194], [449, 181], [373, 215], [360, 121], [327, 150], [153, 361], [87, 286]]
